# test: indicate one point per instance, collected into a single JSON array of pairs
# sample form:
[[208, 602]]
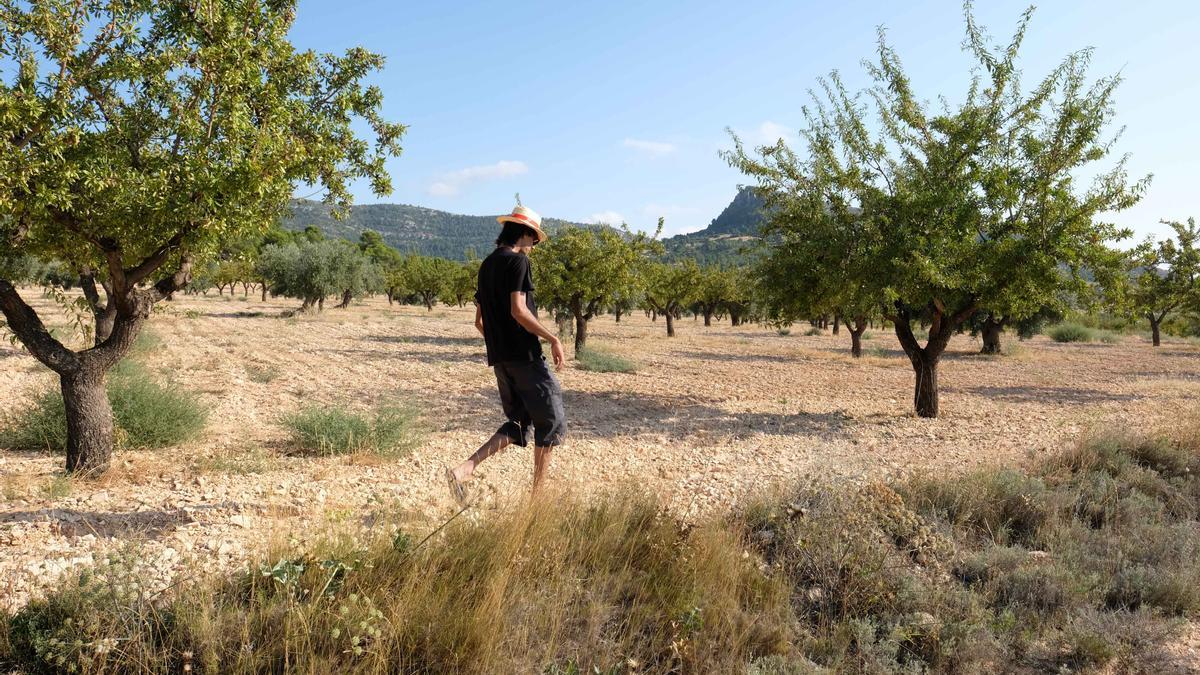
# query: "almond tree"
[[671, 287], [1166, 276], [963, 206], [583, 270], [139, 137]]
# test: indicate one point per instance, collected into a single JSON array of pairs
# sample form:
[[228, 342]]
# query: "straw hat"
[[527, 217]]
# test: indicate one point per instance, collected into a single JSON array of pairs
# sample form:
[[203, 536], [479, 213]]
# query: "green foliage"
[[312, 271], [1164, 277], [146, 413], [173, 128], [430, 278], [938, 211], [669, 287], [459, 289], [603, 361], [581, 271], [392, 431]]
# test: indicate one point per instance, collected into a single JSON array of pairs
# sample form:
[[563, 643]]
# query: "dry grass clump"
[[1081, 563]]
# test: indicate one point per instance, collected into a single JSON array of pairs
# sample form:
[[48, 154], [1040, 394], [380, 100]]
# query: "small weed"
[[814, 331], [58, 487], [262, 373], [784, 331]]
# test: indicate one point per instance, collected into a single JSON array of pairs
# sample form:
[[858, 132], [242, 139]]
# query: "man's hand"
[[556, 351]]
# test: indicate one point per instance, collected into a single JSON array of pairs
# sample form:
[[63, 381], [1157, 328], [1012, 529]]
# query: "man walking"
[[506, 315]]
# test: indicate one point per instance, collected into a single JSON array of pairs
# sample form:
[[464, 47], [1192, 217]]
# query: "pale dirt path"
[[712, 415]]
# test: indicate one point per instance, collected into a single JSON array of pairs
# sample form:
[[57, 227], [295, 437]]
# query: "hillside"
[[409, 228], [451, 235]]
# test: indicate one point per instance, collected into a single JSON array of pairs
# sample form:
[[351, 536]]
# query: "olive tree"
[[138, 137], [582, 270], [963, 206]]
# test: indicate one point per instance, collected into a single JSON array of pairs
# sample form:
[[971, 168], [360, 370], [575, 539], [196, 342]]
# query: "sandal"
[[457, 491]]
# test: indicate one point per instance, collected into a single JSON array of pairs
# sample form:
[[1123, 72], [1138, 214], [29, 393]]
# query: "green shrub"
[[811, 332], [603, 361], [392, 431], [1071, 332], [784, 331], [146, 414], [153, 415]]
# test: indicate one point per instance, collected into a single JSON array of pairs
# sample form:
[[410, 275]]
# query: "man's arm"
[[479, 319], [530, 323]]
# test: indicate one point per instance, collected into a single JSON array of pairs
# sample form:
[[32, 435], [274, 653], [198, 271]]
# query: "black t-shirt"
[[501, 274]]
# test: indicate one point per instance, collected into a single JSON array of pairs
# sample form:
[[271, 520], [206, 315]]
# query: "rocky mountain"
[[730, 237]]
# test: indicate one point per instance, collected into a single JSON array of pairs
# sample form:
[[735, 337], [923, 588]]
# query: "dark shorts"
[[531, 397]]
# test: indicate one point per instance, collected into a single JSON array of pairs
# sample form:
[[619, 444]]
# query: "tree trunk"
[[617, 312], [735, 318], [653, 316], [837, 321], [856, 332], [320, 304], [1154, 331], [89, 422], [347, 296], [708, 317], [925, 359], [991, 335], [670, 324], [581, 326], [925, 395]]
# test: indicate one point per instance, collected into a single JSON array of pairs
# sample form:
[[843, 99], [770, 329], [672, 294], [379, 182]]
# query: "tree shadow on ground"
[[713, 356], [612, 414], [76, 523], [445, 340], [423, 355], [1041, 394]]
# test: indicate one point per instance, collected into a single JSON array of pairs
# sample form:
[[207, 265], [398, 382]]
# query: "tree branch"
[[31, 331]]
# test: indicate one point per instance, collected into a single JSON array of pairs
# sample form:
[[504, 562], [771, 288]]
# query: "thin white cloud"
[[454, 182], [766, 133], [606, 218], [769, 132], [649, 148]]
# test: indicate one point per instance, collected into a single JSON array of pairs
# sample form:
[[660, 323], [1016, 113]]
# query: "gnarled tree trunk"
[[581, 327], [990, 332], [1155, 332], [856, 332]]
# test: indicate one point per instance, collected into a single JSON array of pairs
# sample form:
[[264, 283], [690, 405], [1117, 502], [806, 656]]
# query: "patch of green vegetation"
[[814, 331], [262, 373], [599, 360], [147, 414], [391, 431], [1071, 332]]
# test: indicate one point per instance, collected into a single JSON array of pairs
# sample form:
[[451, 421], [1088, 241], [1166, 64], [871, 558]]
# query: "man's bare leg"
[[541, 461], [496, 443]]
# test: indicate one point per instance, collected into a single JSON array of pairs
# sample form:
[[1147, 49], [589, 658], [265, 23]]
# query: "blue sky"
[[617, 110]]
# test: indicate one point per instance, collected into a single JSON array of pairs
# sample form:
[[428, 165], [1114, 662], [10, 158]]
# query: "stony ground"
[[711, 416]]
